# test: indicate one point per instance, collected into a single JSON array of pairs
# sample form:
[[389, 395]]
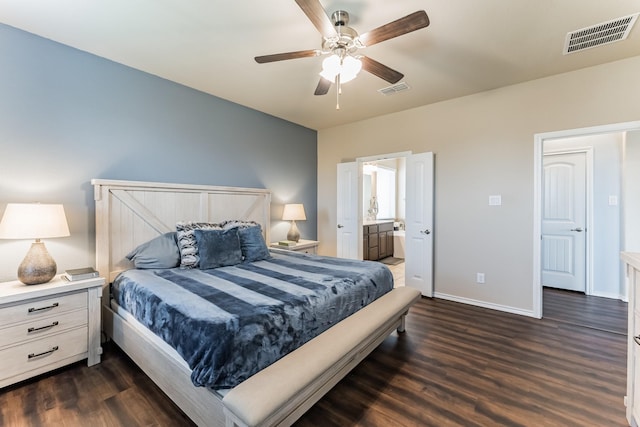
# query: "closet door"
[[419, 223]]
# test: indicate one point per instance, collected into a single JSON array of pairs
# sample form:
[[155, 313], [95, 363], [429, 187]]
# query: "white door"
[[347, 211], [419, 223], [564, 221]]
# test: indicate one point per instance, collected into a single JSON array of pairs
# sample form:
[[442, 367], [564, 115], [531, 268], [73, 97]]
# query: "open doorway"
[[383, 207], [607, 220], [418, 271]]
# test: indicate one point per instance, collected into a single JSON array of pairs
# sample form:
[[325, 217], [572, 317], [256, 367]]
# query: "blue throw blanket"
[[229, 323]]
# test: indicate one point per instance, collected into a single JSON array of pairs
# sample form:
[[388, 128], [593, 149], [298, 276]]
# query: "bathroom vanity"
[[377, 240]]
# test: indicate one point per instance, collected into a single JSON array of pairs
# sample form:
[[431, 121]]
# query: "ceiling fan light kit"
[[342, 43], [347, 67]]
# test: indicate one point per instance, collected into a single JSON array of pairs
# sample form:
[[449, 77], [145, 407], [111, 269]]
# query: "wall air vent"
[[597, 35], [392, 90]]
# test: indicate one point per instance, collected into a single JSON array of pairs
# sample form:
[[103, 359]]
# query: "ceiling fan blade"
[[318, 17], [288, 55], [401, 26], [381, 70], [323, 86]]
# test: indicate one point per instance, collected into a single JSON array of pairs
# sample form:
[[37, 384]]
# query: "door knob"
[[425, 231], [579, 229], [340, 226]]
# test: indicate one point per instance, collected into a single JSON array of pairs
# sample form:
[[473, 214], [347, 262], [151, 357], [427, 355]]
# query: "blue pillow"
[[160, 252], [252, 244], [218, 248]]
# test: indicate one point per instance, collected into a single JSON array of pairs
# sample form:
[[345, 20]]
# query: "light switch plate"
[[613, 200], [495, 200]]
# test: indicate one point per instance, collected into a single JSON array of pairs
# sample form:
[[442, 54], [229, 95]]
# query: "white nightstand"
[[306, 246], [44, 327]]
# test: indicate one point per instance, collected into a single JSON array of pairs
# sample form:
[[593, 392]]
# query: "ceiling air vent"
[[597, 35], [392, 90]]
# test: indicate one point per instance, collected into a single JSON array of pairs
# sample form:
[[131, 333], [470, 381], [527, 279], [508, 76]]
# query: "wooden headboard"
[[129, 213]]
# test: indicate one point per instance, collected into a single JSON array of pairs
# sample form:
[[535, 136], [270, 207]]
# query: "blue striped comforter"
[[229, 323]]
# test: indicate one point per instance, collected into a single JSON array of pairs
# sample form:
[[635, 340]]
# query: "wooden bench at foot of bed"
[[281, 393]]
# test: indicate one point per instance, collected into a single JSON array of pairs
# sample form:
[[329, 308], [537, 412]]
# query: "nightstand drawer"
[[35, 309], [36, 354], [57, 323], [40, 328]]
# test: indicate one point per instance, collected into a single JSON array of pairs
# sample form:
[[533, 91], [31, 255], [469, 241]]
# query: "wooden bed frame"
[[130, 213]]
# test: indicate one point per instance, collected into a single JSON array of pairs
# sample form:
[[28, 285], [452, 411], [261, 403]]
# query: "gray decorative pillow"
[[218, 248], [160, 252], [252, 244], [187, 241]]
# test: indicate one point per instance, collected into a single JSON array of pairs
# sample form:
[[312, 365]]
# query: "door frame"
[[589, 225], [538, 145]]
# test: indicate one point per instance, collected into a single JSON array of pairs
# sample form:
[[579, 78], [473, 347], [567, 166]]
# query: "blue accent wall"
[[67, 116]]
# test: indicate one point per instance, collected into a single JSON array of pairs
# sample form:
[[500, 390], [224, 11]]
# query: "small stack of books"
[[287, 243], [79, 274]]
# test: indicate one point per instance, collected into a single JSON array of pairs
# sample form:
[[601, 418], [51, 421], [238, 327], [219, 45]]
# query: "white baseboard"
[[484, 304], [609, 295]]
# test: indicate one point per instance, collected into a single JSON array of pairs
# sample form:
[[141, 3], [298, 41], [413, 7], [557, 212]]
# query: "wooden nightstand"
[[44, 327], [306, 246]]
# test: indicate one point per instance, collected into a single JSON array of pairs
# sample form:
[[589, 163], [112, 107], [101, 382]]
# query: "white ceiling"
[[209, 45]]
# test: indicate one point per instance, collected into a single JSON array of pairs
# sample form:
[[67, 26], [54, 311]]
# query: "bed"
[[128, 214]]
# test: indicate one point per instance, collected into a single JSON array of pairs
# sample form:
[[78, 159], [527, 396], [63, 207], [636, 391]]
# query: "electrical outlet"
[[480, 277]]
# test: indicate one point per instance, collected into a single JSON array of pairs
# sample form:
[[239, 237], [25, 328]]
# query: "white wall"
[[607, 227], [483, 145]]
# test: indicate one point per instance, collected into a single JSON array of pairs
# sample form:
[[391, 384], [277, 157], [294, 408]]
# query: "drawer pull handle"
[[43, 327], [32, 355], [637, 339], [54, 305]]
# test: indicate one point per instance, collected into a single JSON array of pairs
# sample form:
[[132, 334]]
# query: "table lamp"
[[293, 212], [34, 221]]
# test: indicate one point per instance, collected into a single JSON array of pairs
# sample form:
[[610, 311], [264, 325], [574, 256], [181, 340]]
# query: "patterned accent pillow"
[[185, 235]]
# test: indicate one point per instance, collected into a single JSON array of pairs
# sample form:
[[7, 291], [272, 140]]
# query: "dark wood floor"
[[457, 365], [592, 312]]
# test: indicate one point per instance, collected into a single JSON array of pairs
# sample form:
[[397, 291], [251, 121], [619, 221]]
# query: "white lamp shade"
[[33, 221], [294, 212]]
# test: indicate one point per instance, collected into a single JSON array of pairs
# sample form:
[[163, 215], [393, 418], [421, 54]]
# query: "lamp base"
[[294, 233], [38, 266]]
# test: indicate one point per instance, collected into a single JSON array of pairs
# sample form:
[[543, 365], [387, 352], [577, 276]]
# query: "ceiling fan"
[[342, 43]]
